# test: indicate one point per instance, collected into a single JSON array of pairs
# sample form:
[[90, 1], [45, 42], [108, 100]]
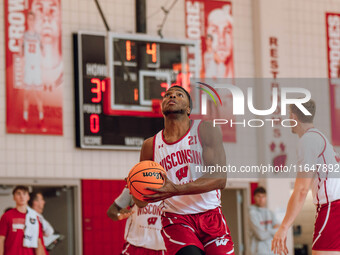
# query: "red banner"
[[211, 22], [34, 67], [333, 54]]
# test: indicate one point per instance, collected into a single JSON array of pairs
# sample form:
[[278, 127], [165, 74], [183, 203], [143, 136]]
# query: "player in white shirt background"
[[192, 219], [318, 160], [143, 226], [37, 203]]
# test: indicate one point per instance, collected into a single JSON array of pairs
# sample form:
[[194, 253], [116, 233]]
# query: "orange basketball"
[[145, 174]]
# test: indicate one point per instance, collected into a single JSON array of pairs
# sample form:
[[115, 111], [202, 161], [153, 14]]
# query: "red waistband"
[[217, 209], [326, 204]]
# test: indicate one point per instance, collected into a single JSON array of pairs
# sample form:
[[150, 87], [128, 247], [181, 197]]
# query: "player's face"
[[47, 19], [30, 22], [220, 28], [21, 197], [208, 42], [175, 101], [260, 199], [39, 203]]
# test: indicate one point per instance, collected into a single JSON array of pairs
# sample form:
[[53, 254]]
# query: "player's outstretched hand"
[[124, 213], [169, 189], [279, 243]]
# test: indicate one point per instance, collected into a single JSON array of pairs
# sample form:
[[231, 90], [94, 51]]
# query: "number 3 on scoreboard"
[[100, 87]]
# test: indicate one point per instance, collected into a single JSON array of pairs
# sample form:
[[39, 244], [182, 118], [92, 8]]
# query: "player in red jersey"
[[319, 162], [192, 219], [13, 224]]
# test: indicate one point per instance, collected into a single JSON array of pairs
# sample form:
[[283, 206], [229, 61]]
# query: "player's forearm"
[[2, 245], [201, 185], [139, 203], [112, 212], [40, 250], [295, 204]]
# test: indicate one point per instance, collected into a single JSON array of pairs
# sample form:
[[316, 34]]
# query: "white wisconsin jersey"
[[143, 227], [180, 159], [32, 50], [314, 149]]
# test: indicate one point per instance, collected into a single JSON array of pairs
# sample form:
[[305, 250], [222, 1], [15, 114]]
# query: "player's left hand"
[[169, 189], [124, 213], [279, 245]]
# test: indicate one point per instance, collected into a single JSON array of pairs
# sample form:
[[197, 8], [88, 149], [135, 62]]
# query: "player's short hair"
[[210, 36], [33, 197], [20, 187], [259, 190], [187, 93], [310, 106]]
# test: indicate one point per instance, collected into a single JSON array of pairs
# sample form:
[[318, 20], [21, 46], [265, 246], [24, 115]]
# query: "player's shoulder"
[[147, 149], [148, 142], [208, 132], [313, 136], [254, 211], [312, 139], [9, 214], [205, 126]]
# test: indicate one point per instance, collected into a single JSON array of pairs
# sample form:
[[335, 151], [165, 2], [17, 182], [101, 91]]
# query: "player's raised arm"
[[213, 150]]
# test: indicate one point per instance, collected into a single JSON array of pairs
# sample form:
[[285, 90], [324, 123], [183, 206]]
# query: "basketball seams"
[[131, 185], [148, 182], [128, 179], [136, 190]]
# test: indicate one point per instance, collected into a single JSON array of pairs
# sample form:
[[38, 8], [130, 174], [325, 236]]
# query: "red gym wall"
[[253, 186], [101, 235]]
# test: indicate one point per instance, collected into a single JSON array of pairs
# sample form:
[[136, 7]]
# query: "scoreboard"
[[119, 83]]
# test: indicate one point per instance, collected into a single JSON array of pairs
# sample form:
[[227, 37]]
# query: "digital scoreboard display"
[[119, 82], [143, 68]]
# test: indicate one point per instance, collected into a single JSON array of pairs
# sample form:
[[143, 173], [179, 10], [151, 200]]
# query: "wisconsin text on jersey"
[[150, 209], [181, 157]]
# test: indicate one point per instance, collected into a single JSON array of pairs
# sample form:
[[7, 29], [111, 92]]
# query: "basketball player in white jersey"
[[32, 48], [143, 227], [316, 154], [192, 219]]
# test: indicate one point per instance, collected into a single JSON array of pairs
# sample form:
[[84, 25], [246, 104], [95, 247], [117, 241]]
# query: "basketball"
[[145, 174]]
